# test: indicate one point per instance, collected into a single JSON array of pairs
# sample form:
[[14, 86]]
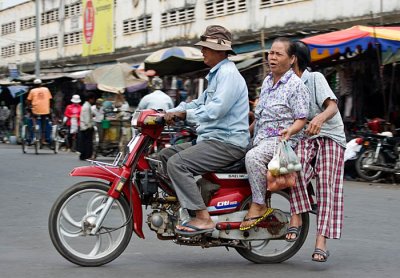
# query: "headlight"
[[135, 118]]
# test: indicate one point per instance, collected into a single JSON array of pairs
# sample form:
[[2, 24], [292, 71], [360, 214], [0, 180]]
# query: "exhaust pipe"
[[380, 168]]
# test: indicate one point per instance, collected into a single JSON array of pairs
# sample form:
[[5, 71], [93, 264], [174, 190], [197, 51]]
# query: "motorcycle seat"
[[236, 167]]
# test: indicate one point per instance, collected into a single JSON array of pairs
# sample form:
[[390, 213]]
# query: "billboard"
[[98, 27]]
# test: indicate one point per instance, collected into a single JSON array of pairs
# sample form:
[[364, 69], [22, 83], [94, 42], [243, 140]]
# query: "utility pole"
[[264, 58], [37, 40], [61, 30]]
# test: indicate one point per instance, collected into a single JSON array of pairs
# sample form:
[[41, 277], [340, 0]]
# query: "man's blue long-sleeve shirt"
[[222, 110]]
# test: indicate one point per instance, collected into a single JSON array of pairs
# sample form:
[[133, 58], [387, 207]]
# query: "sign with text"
[[13, 70], [98, 27]]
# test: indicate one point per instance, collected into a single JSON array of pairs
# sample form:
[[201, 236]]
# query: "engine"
[[160, 222]]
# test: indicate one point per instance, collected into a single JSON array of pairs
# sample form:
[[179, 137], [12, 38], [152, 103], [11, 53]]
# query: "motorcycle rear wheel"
[[279, 250], [68, 225], [367, 158]]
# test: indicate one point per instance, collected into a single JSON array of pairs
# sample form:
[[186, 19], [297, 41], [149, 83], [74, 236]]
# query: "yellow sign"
[[98, 27]]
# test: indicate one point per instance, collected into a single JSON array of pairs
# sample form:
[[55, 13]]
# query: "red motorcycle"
[[91, 223]]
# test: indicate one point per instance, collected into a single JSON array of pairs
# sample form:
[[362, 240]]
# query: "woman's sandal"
[[255, 220], [292, 230], [320, 252]]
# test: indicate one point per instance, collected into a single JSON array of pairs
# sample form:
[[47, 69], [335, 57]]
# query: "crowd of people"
[[81, 119]]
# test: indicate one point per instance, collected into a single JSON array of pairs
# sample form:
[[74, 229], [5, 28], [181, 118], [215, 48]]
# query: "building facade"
[[142, 26]]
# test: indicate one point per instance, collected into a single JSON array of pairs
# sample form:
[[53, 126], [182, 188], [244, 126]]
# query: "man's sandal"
[[320, 252], [292, 231]]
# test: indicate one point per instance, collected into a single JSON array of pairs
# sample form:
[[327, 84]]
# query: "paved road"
[[30, 183]]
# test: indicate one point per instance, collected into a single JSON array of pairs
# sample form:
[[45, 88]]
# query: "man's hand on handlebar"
[[172, 117]]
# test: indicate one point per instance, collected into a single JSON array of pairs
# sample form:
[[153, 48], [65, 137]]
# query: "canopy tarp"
[[115, 78], [353, 39], [175, 60]]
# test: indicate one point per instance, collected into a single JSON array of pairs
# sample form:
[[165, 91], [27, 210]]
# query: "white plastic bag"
[[293, 162], [74, 125], [284, 161], [274, 164]]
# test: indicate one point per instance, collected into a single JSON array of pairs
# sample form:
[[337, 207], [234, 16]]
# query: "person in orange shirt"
[[39, 101]]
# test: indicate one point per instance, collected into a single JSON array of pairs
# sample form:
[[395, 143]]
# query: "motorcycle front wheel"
[[277, 250], [367, 158], [71, 220]]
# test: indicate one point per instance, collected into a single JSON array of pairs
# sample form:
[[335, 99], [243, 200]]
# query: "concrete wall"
[[290, 14]]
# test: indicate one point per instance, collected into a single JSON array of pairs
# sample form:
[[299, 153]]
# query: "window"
[[215, 8], [8, 51], [8, 28], [27, 22], [49, 42], [73, 38], [270, 3], [49, 17], [73, 9], [26, 47], [177, 16], [137, 25]]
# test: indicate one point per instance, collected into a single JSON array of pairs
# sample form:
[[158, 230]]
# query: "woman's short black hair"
[[303, 55], [291, 49]]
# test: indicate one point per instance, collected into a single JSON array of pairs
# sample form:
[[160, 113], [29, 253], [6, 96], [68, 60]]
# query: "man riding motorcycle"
[[222, 113]]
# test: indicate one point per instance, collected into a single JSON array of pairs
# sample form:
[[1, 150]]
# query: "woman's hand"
[[293, 129], [314, 126], [286, 133]]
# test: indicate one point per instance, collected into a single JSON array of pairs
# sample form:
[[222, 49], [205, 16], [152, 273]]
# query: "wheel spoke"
[[71, 234], [69, 218], [90, 209], [96, 247]]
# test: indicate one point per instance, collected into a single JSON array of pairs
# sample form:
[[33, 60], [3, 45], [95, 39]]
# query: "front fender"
[[96, 172], [131, 194]]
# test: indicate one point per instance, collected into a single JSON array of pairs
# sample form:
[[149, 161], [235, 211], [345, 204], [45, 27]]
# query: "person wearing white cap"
[[39, 101], [71, 119]]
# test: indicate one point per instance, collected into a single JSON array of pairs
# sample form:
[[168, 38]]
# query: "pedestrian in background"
[[122, 107], [156, 99], [86, 128], [98, 117], [322, 157], [4, 116], [39, 101], [72, 120]]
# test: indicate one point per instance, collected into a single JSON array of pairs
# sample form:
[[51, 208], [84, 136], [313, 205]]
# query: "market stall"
[[355, 40]]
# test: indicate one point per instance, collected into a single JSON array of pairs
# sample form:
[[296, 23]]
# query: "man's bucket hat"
[[217, 38]]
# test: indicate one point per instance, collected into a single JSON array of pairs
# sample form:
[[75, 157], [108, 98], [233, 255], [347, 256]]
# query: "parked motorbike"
[[92, 222], [379, 155]]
